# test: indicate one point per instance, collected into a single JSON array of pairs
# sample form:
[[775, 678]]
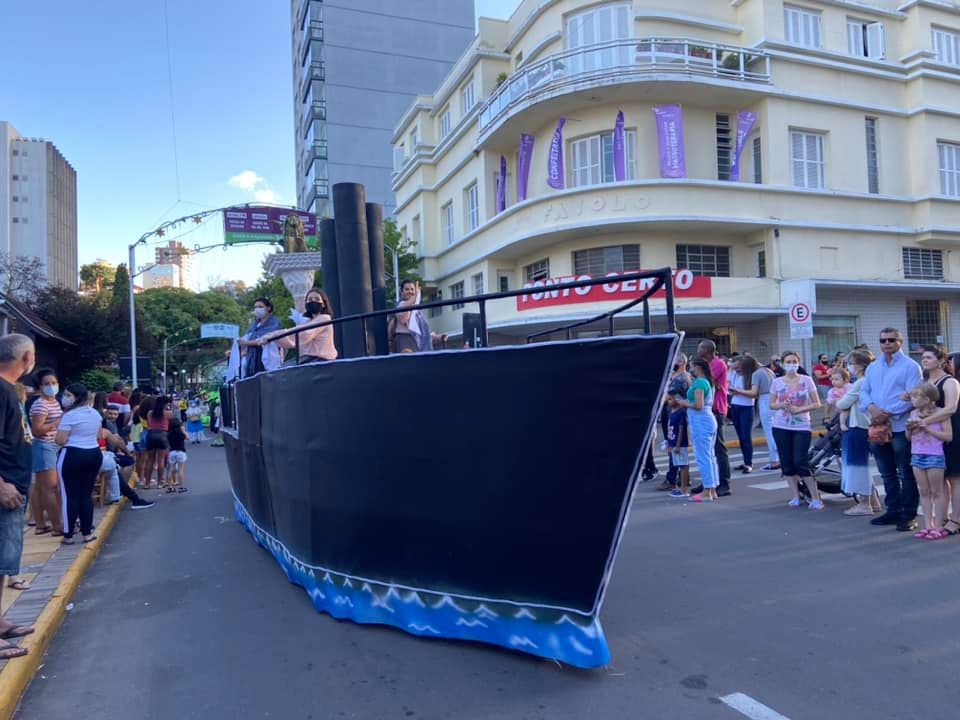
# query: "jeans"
[[766, 420], [893, 462], [742, 416], [703, 432], [794, 449], [78, 472], [720, 452]]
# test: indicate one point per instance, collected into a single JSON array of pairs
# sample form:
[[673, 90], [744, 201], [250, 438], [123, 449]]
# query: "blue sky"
[[93, 78]]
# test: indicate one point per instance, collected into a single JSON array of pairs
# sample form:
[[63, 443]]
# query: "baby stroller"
[[825, 458]]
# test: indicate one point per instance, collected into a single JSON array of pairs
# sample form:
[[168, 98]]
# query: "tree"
[[408, 261], [97, 277], [83, 321], [23, 277], [120, 296]]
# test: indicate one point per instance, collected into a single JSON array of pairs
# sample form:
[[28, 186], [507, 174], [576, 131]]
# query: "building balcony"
[[315, 71], [317, 151], [622, 62]]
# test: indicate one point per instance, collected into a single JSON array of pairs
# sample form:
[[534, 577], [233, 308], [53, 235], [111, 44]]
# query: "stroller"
[[825, 459]]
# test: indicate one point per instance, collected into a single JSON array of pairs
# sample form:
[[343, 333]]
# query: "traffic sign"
[[801, 321]]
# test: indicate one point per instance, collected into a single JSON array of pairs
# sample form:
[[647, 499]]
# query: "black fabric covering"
[[378, 283], [331, 274], [353, 265], [500, 474]]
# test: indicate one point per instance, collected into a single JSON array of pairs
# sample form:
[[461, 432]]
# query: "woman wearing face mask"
[[264, 323], [316, 344], [80, 460], [744, 394], [45, 414], [856, 479], [792, 397]]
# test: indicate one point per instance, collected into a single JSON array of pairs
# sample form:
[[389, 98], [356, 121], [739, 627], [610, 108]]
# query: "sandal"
[[42, 531], [89, 539], [171, 489], [17, 631], [955, 531], [8, 652], [21, 585], [923, 534], [937, 534], [67, 541], [182, 490]]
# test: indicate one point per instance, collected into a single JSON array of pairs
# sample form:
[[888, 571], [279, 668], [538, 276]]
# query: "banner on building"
[[619, 150], [219, 330], [253, 223], [502, 186], [746, 119], [673, 161], [685, 285], [524, 159], [555, 173]]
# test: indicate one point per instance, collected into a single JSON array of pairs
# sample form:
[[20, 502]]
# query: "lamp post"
[[165, 348]]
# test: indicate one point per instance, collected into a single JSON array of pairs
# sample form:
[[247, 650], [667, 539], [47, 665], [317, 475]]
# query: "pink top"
[[316, 342], [51, 409], [719, 369], [154, 424], [837, 393], [923, 443], [803, 394]]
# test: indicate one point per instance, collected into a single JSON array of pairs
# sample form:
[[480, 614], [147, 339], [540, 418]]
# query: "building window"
[[807, 157], [949, 169], [445, 123], [922, 264], [539, 270], [704, 260], [16, 152], [925, 324], [757, 161], [592, 159], [504, 282], [603, 24], [724, 146], [597, 262], [413, 140], [16, 220], [865, 39], [417, 234], [456, 292], [471, 202], [399, 156], [477, 282], [437, 311], [760, 262], [446, 222], [873, 163], [801, 26], [946, 46], [467, 98], [16, 177], [15, 198]]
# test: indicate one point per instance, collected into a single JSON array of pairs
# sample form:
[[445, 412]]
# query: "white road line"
[[746, 705], [779, 485]]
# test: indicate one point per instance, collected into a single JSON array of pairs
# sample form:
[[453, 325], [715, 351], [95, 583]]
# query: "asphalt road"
[[815, 615]]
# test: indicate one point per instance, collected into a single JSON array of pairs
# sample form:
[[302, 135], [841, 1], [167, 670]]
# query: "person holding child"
[[839, 386], [927, 459]]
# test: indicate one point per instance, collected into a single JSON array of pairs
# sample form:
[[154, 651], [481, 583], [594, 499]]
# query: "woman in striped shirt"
[[45, 414]]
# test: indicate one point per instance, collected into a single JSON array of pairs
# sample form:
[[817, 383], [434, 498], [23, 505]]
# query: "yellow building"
[[848, 197]]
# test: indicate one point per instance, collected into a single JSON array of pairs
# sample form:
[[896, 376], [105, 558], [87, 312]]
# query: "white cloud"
[[265, 196], [247, 180]]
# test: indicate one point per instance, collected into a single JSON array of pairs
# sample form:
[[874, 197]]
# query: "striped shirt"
[[51, 409]]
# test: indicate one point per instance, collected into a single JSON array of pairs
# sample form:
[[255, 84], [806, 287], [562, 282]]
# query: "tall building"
[[356, 68], [822, 166], [38, 205], [162, 276], [178, 255]]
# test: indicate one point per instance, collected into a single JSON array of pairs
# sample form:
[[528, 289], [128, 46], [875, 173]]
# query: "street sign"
[[219, 330], [801, 321]]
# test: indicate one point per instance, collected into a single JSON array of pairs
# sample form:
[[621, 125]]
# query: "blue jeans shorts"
[[928, 462], [44, 456], [11, 540], [680, 457]]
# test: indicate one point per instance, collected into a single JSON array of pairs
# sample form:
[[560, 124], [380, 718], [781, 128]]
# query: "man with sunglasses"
[[888, 379]]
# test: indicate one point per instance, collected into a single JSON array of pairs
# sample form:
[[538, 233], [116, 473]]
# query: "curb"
[[734, 444], [19, 672]]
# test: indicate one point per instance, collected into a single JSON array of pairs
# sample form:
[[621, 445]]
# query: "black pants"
[[720, 450], [79, 468], [794, 449]]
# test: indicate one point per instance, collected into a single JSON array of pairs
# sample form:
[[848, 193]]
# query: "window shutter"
[[855, 38], [813, 158], [796, 144], [875, 41]]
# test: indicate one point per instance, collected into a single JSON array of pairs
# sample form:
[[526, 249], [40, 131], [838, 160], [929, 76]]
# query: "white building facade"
[[178, 255], [38, 205], [842, 117]]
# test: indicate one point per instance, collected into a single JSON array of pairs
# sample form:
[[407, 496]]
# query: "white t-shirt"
[[736, 381], [84, 425]]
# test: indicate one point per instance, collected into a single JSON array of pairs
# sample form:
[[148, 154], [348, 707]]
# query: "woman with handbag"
[[792, 397], [856, 479]]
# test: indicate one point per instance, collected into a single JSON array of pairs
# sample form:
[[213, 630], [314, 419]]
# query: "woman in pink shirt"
[[316, 343], [793, 396]]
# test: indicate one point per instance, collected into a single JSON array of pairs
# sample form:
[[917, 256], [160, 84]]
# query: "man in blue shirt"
[[888, 378]]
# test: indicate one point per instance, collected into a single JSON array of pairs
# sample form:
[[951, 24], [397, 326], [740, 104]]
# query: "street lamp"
[[165, 348]]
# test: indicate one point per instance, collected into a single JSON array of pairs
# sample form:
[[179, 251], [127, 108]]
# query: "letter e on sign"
[[801, 321]]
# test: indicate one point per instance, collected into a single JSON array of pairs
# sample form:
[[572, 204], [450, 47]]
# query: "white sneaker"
[[795, 502]]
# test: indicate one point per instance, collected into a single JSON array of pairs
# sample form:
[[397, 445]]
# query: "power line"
[[173, 116]]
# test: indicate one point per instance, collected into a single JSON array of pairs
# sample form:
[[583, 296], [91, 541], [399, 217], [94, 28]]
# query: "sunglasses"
[[889, 340]]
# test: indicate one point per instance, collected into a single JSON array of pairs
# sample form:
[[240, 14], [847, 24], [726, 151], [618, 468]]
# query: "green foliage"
[[120, 288], [83, 321], [97, 278], [96, 380], [409, 262], [272, 288]]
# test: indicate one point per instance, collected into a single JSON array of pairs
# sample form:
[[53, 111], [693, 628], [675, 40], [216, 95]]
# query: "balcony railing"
[[315, 71], [317, 151], [624, 60]]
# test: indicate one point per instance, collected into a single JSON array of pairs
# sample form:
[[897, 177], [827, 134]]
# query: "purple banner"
[[619, 150], [524, 158], [673, 161], [263, 224], [745, 122], [502, 186], [555, 158]]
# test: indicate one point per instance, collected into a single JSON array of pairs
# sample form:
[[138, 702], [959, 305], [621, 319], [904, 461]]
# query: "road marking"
[[779, 485], [746, 705]]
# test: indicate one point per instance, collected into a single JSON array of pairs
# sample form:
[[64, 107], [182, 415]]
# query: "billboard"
[[253, 223]]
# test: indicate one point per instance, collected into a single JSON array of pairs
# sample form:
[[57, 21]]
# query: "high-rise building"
[[356, 70], [38, 205], [177, 254], [162, 276]]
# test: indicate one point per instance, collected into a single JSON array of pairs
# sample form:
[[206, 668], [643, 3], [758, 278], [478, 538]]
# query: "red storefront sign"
[[685, 285]]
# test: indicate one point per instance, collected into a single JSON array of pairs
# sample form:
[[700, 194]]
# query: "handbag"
[[880, 433]]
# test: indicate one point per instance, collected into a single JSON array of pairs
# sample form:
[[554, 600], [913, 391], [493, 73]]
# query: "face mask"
[[51, 390], [852, 369], [314, 307], [68, 401], [259, 313], [791, 367]]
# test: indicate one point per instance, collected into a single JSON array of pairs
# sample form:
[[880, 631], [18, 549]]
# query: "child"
[[840, 378], [926, 445], [195, 423], [177, 457], [678, 440]]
